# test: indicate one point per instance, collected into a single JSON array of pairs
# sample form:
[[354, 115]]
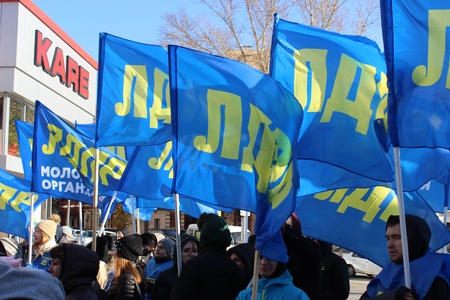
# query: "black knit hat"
[[129, 247], [215, 231]]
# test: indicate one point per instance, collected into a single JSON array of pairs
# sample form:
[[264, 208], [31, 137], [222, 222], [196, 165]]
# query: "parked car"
[[87, 235], [236, 233], [357, 263]]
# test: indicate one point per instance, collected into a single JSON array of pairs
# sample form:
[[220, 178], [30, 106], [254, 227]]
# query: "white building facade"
[[39, 61]]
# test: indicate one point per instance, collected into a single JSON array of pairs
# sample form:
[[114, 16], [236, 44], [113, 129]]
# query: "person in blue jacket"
[[275, 283], [44, 241]]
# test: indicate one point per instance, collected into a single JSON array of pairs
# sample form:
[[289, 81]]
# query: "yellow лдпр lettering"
[[438, 24]]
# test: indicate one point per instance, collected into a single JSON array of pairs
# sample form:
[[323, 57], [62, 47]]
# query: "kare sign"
[[70, 73]]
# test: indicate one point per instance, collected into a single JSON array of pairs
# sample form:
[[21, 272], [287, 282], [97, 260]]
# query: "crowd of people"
[[142, 267]]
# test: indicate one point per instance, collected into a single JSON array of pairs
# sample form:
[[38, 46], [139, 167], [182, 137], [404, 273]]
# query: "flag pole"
[[94, 226], [102, 228], [133, 213], [401, 208], [255, 275], [30, 234], [178, 230]]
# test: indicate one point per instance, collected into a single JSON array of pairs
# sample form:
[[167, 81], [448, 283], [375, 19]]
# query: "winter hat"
[[67, 231], [47, 226], [215, 231], [101, 248], [169, 244], [129, 247]]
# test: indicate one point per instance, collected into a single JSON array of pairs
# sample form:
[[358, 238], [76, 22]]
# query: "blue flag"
[[133, 92], [149, 176], [420, 165], [234, 134], [25, 135], [415, 35], [149, 173], [435, 194], [145, 214], [340, 82], [64, 160], [15, 201], [356, 219], [88, 130]]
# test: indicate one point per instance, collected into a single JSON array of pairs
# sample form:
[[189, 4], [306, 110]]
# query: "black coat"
[[79, 272], [304, 258], [334, 281], [210, 275], [164, 283], [127, 289]]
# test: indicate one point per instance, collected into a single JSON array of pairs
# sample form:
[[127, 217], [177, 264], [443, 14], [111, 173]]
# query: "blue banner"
[[435, 194], [356, 219], [133, 92], [149, 176], [149, 173], [415, 35], [420, 165], [64, 160], [88, 130], [145, 214], [340, 82], [234, 133], [15, 201], [25, 135]]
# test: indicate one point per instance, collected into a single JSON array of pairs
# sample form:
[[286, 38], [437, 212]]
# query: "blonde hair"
[[56, 218], [125, 266], [37, 248]]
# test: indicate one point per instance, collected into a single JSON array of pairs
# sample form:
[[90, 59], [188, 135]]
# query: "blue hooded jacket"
[[279, 288]]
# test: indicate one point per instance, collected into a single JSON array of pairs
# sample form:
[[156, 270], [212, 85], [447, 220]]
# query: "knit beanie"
[[47, 226], [215, 231], [67, 231], [169, 244], [130, 247]]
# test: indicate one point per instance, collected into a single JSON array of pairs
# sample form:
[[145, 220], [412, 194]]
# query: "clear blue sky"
[[136, 20]]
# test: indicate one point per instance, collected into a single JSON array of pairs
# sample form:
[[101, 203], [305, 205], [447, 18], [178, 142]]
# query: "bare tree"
[[242, 29]]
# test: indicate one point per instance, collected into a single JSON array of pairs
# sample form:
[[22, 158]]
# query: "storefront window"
[[1, 124], [18, 111]]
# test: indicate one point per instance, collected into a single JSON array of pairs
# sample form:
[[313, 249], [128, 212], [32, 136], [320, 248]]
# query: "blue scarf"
[[423, 272]]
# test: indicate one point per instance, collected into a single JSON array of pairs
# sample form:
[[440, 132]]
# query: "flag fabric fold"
[[417, 55], [234, 136], [133, 92], [64, 160], [340, 81], [344, 216], [15, 201]]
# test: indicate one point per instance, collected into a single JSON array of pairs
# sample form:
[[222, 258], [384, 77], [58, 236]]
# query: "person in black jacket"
[[334, 281], [166, 279], [244, 255], [304, 258], [211, 274], [128, 282], [76, 267], [430, 272]]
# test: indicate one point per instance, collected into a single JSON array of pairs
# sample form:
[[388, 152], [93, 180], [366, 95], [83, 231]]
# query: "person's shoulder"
[[244, 294]]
